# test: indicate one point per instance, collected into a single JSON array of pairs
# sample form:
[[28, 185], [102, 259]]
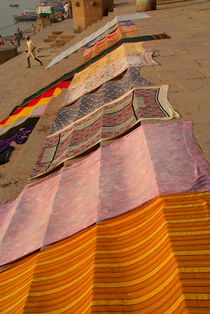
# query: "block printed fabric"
[[84, 41], [129, 24], [107, 42], [109, 91], [108, 121], [152, 160], [87, 81], [131, 263]]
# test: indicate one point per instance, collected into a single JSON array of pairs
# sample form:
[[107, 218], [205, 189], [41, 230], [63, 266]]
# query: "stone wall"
[[86, 12]]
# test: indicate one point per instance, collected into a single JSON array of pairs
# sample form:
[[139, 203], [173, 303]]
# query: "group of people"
[[10, 42], [18, 36]]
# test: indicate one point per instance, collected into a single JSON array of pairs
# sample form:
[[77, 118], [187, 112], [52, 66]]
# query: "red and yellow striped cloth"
[[34, 107], [151, 260]]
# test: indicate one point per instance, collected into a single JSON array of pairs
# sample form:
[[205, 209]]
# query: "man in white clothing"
[[31, 52]]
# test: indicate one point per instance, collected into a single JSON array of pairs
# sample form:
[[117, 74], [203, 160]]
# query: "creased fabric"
[[108, 121], [128, 24], [120, 52], [152, 160], [106, 93], [35, 108], [19, 138], [107, 42], [152, 259], [91, 37], [63, 82], [87, 81]]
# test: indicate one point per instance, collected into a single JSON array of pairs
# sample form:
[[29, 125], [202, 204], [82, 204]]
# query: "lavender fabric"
[[153, 159], [19, 138]]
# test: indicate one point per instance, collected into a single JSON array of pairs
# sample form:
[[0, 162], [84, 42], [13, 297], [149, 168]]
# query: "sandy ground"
[[183, 64]]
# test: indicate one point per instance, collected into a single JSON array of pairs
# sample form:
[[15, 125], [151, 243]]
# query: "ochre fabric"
[[151, 260], [118, 53], [107, 73]]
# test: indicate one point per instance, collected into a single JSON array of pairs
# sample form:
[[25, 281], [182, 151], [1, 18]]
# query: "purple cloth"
[[19, 138], [153, 159]]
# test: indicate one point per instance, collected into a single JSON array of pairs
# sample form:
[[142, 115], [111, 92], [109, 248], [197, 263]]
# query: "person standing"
[[33, 29], [70, 9], [17, 38], [31, 52], [20, 33], [66, 8]]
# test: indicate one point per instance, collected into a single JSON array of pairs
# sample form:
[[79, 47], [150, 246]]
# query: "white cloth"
[[45, 10], [31, 46]]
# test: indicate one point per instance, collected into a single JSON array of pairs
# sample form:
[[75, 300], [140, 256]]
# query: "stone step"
[[57, 45], [57, 32], [67, 37]]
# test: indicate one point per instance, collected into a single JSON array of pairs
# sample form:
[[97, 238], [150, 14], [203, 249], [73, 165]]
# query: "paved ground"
[[183, 64], [183, 61]]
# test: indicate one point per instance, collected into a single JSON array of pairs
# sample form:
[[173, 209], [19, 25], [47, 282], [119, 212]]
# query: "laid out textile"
[[66, 78], [5, 155], [121, 25], [89, 38], [34, 108], [118, 53], [154, 259], [106, 93], [87, 81], [63, 80], [152, 160], [19, 138], [108, 121], [105, 43]]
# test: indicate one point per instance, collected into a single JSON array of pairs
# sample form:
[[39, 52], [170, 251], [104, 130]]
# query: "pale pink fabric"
[[153, 159]]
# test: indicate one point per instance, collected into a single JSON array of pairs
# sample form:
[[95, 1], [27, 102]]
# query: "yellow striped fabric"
[[154, 259]]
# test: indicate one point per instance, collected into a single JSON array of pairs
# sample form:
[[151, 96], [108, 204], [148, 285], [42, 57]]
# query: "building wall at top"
[[86, 12]]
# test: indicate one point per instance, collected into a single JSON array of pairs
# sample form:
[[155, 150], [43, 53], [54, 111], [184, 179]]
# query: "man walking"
[[31, 52]]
